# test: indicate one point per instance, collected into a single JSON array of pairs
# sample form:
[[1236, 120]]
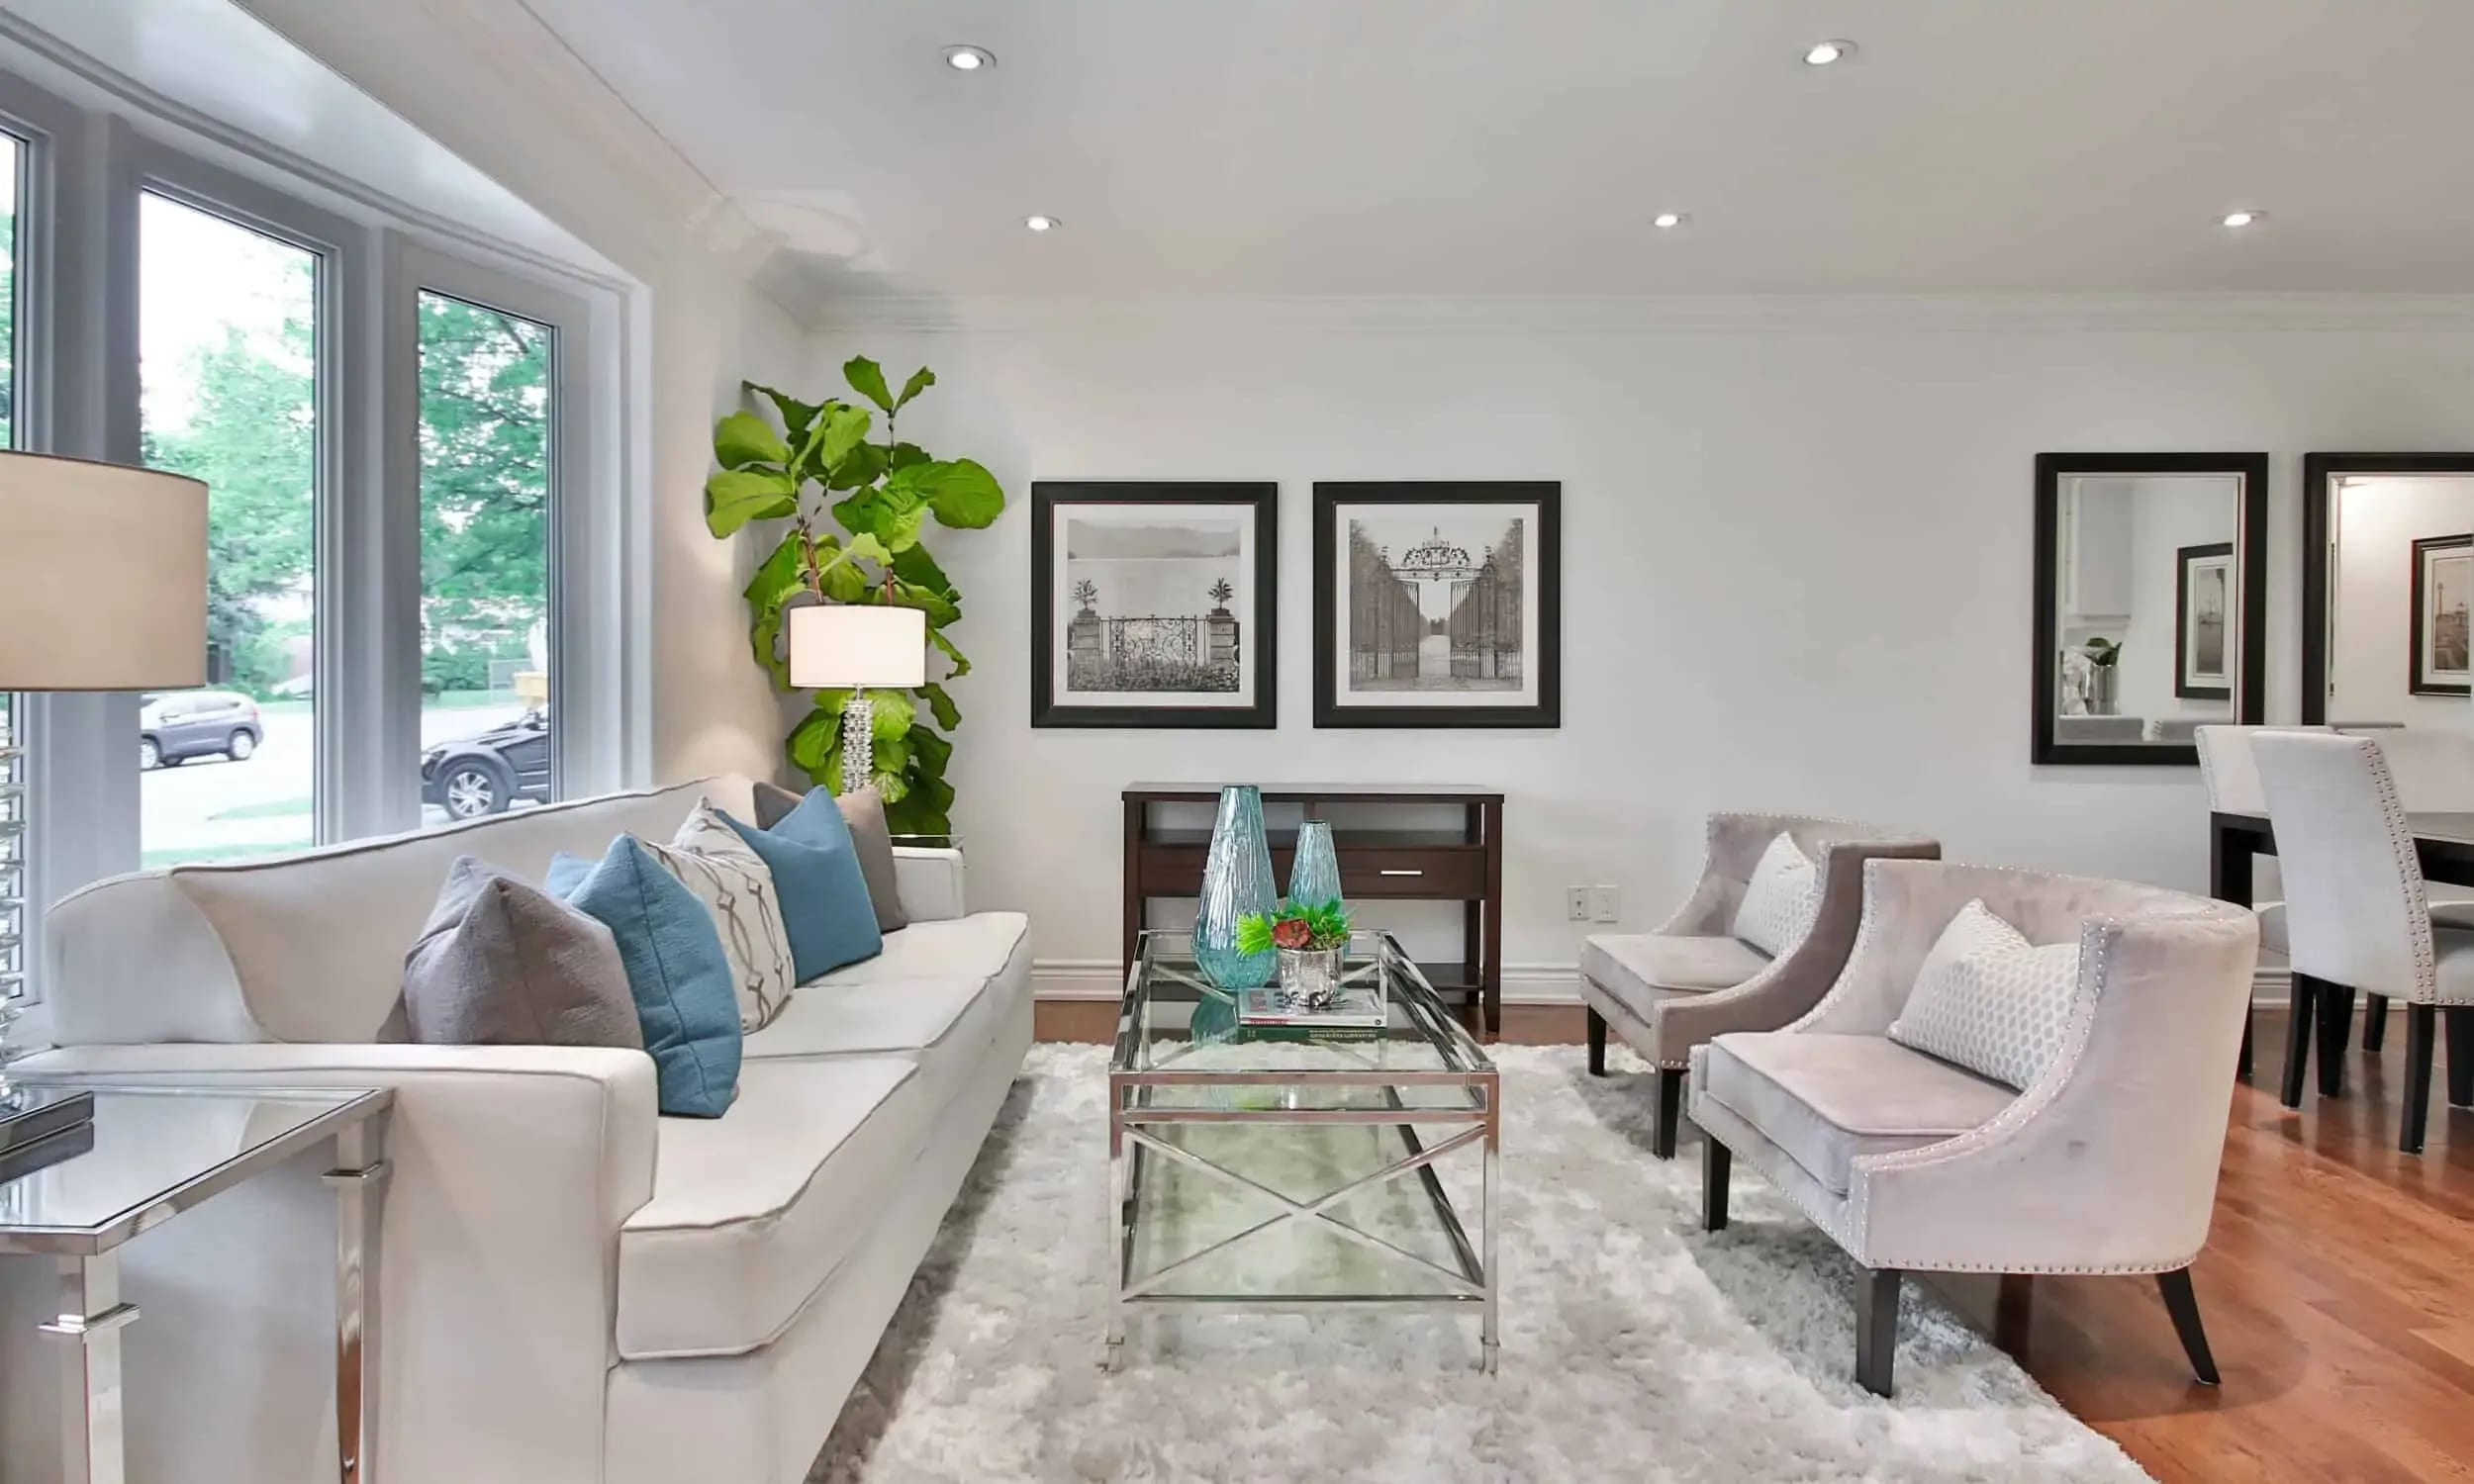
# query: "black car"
[[487, 774]]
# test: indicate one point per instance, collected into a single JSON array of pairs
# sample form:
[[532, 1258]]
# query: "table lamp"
[[859, 646], [102, 587]]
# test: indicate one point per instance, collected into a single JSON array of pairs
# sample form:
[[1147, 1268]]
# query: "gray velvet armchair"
[[1666, 993], [2106, 1162]]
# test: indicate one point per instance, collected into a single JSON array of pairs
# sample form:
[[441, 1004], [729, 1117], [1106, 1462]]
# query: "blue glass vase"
[[1237, 882], [1314, 878]]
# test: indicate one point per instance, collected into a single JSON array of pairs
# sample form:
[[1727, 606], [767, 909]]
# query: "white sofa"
[[573, 1288]]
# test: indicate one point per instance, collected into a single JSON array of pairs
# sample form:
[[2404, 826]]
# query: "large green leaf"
[[962, 492], [961, 664], [904, 455], [890, 714], [863, 465], [734, 497], [866, 378], [845, 429], [920, 380], [941, 705], [818, 732], [915, 566], [930, 751], [940, 611], [901, 532], [864, 546], [795, 414], [743, 438], [778, 580]]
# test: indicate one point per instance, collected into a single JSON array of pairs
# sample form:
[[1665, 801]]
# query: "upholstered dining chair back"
[[2355, 903], [2434, 767], [2226, 768]]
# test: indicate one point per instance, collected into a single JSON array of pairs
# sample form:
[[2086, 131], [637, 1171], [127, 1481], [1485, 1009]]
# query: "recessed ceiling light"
[[1038, 223], [2243, 219], [969, 58], [1667, 220], [1822, 53]]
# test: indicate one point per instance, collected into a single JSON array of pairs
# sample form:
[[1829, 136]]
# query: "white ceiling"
[[1521, 146]]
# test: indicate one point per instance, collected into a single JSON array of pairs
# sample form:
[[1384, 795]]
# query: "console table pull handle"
[[1390, 871]]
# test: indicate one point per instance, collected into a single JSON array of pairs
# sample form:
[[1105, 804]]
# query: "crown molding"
[[1679, 312]]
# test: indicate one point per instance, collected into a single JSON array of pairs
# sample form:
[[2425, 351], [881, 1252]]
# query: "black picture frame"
[[2185, 558], [2417, 616], [2250, 701], [2321, 474], [1545, 709], [1050, 498]]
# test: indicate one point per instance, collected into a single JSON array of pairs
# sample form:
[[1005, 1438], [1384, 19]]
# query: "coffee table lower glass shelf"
[[1289, 1169]]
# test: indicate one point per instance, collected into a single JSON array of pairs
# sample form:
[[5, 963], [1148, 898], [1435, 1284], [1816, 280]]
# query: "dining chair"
[[2358, 918]]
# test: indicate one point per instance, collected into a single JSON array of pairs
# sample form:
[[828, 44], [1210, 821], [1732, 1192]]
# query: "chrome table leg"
[[92, 1448], [360, 1184]]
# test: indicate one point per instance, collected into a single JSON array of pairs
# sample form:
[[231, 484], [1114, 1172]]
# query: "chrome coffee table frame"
[[1421, 1019]]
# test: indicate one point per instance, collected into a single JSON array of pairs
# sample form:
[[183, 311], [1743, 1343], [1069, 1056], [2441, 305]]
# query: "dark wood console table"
[[1462, 864]]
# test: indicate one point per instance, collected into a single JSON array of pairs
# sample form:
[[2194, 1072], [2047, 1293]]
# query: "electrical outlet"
[[1576, 904], [1605, 904]]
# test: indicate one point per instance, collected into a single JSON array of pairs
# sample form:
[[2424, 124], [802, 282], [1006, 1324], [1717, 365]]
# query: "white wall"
[[1796, 552], [2378, 520]]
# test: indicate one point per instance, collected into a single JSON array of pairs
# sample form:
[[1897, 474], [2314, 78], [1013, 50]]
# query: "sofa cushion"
[[1642, 969], [871, 839], [821, 889], [737, 886], [974, 947], [676, 969], [751, 1213], [506, 963], [1825, 1099]]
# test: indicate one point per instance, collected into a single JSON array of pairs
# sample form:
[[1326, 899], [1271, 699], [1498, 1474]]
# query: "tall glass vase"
[[1236, 882], [1314, 878]]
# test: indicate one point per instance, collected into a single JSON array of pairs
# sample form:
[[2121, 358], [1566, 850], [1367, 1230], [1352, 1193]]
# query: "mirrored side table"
[[158, 1150]]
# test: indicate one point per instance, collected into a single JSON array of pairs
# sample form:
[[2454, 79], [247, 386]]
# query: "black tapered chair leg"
[[2420, 1022], [2374, 1023], [1717, 1163], [2299, 1024], [1670, 1112], [1597, 1044], [2460, 1020], [1876, 1327], [2335, 1031], [2183, 1305]]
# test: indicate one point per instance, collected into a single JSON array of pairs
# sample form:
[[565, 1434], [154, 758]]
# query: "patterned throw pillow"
[[1781, 899], [1989, 1000], [736, 888]]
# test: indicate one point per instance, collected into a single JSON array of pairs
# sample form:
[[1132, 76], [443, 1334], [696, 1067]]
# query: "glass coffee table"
[[1298, 1169]]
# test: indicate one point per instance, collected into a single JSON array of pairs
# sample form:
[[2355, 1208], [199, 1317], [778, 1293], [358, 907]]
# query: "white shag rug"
[[1635, 1346]]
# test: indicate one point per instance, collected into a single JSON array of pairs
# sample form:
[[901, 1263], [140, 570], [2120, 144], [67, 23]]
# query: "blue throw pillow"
[[816, 879], [685, 996]]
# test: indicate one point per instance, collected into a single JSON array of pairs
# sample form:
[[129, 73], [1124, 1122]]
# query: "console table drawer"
[[1431, 874]]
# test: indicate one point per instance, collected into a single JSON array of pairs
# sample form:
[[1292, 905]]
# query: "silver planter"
[[1311, 976]]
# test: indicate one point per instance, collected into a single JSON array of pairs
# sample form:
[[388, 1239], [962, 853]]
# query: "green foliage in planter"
[[1323, 925], [819, 462]]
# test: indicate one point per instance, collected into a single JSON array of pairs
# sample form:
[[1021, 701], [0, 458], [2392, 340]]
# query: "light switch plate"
[[1605, 904], [1576, 904]]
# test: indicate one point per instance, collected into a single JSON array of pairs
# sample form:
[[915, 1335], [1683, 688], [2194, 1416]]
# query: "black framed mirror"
[[2150, 603], [2387, 575]]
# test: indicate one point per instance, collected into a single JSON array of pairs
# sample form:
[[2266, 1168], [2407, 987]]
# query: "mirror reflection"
[[2148, 606], [2401, 575]]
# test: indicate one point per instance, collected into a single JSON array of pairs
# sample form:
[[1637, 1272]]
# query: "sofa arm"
[[930, 883], [510, 1169]]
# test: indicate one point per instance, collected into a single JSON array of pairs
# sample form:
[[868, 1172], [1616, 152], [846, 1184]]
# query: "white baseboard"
[[1105, 979]]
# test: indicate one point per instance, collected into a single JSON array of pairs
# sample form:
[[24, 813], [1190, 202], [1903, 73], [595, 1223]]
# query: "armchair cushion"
[[1989, 1000], [1779, 899], [1642, 968], [1825, 1099]]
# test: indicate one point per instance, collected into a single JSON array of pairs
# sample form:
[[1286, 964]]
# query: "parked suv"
[[174, 726], [487, 774]]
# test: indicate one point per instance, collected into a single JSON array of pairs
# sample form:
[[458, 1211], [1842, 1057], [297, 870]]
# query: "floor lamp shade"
[[879, 647], [102, 577]]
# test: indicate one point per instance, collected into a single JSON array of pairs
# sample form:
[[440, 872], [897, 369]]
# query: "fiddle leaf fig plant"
[[819, 470]]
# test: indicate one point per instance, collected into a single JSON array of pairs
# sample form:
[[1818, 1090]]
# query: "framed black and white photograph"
[[2443, 583], [1155, 603], [2202, 615], [1438, 604]]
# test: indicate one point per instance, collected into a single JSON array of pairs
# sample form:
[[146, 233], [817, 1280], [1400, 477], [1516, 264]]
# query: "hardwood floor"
[[2337, 1288]]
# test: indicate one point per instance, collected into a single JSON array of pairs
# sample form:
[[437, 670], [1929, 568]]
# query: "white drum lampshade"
[[870, 646], [102, 577]]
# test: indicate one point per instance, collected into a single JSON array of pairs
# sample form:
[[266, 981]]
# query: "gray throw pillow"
[[506, 963], [871, 840]]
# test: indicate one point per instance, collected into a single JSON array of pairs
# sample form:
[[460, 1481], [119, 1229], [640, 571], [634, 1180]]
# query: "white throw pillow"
[[1989, 1000], [1781, 899], [737, 886]]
